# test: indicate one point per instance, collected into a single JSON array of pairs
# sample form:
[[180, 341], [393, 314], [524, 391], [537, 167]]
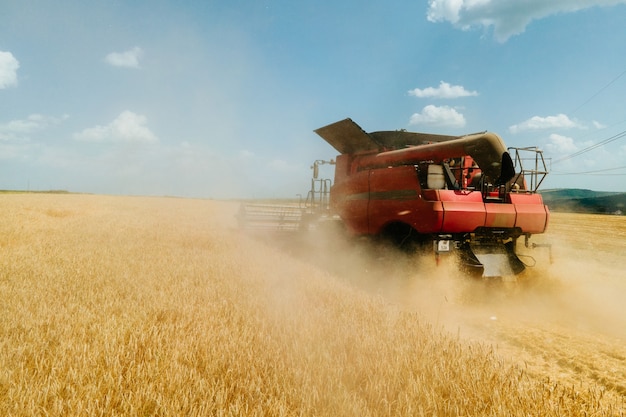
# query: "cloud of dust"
[[580, 291], [583, 290], [562, 320]]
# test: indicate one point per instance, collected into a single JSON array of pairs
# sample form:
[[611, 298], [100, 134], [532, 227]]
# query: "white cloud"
[[598, 125], [8, 70], [507, 17], [127, 59], [445, 90], [560, 121], [127, 127], [20, 129], [561, 144], [438, 116]]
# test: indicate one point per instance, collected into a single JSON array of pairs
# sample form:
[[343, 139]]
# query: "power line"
[[607, 175], [595, 172], [591, 175], [599, 91], [592, 147]]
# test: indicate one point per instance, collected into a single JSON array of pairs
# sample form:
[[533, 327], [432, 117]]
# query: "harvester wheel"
[[402, 237]]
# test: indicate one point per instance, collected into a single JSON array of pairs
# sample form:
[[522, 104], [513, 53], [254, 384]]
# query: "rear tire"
[[403, 237]]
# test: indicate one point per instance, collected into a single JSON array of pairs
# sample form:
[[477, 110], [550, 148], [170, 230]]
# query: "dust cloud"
[[564, 318], [578, 289]]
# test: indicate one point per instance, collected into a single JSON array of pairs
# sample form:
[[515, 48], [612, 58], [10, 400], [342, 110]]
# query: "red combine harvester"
[[465, 194]]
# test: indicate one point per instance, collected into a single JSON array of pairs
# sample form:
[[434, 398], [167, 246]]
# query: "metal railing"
[[318, 197], [530, 166]]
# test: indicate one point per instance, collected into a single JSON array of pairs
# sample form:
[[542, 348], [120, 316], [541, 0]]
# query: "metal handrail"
[[537, 173]]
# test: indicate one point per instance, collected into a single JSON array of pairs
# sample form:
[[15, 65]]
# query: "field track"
[[160, 306]]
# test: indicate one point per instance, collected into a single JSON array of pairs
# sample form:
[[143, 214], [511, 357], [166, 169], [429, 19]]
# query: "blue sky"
[[219, 99]]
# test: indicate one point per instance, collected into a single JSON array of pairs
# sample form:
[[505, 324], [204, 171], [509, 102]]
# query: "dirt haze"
[[563, 321]]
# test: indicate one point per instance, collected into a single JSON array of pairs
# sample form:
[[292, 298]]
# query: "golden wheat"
[[128, 306]]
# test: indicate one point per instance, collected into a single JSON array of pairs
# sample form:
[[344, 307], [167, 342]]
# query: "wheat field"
[[140, 306]]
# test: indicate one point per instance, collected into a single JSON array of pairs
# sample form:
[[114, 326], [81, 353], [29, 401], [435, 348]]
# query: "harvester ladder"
[[318, 197]]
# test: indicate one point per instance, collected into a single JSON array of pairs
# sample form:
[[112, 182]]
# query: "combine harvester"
[[465, 195]]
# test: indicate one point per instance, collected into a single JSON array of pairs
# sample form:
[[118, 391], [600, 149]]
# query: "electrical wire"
[[599, 172], [598, 92], [592, 147], [596, 172]]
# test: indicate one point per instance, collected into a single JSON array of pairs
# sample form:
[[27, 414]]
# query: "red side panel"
[[463, 210], [350, 199], [500, 215], [431, 221], [395, 197], [532, 214], [369, 200]]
